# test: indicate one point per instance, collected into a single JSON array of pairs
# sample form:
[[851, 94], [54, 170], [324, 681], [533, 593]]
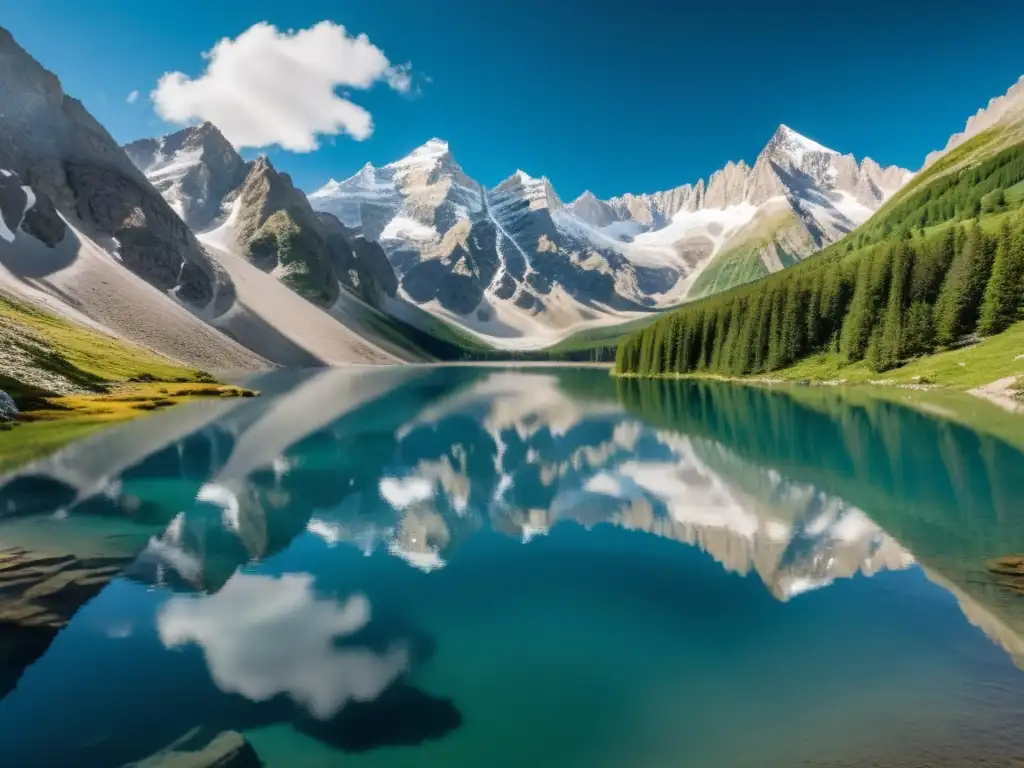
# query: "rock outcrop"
[[276, 230], [8, 408]]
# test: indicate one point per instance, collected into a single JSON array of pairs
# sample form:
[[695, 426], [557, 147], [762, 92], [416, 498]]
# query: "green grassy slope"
[[69, 381], [742, 265], [975, 365]]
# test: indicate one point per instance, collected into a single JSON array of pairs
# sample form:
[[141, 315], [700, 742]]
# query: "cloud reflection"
[[264, 635]]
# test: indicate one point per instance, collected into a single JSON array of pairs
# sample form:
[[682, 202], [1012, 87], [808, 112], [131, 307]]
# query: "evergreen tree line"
[[884, 304], [960, 195]]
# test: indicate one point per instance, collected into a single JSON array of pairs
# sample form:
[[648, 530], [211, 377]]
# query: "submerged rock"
[[8, 408], [1008, 572], [39, 593], [229, 749]]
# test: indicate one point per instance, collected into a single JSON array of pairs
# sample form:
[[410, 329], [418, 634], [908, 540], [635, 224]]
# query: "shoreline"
[[58, 420], [1007, 392]]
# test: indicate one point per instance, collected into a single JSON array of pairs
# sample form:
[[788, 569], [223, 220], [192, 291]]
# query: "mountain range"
[[519, 266], [514, 264], [238, 268]]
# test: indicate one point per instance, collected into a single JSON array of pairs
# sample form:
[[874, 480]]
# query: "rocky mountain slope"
[[194, 170], [518, 266], [74, 168], [254, 211], [85, 235], [1005, 111]]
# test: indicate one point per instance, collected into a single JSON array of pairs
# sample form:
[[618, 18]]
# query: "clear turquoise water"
[[477, 567]]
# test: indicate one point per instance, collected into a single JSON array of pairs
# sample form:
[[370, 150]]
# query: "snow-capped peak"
[[795, 145], [365, 176], [537, 190], [434, 145], [425, 155]]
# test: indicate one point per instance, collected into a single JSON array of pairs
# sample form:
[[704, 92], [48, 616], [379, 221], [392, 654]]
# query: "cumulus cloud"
[[268, 87], [132, 97]]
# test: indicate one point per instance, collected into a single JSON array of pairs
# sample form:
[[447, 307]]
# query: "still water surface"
[[481, 567]]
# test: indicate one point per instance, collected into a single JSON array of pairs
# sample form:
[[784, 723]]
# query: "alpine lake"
[[498, 567]]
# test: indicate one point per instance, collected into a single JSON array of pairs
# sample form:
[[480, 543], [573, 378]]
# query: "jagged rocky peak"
[[789, 146], [431, 151], [193, 169], [429, 163], [59, 151], [266, 191], [204, 139], [1007, 109], [516, 250], [593, 211], [728, 186], [276, 229], [538, 192]]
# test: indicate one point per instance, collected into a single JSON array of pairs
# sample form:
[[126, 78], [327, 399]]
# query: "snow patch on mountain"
[[404, 228]]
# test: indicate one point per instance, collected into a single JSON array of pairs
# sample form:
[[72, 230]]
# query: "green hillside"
[[939, 265], [69, 381]]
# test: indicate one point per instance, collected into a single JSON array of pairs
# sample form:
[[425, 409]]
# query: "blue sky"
[[612, 96]]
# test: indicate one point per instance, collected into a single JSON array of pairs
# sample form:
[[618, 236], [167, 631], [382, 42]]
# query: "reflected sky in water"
[[469, 566]]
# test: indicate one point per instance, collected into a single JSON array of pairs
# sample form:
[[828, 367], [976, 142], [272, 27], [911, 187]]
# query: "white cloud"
[[399, 77], [132, 97], [248, 634], [268, 87]]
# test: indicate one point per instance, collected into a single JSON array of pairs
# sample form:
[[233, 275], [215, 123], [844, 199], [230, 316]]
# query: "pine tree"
[[721, 336], [647, 340], [956, 312], [931, 266], [890, 346], [861, 317], [792, 323], [1003, 292], [621, 352], [813, 320], [726, 361], [658, 354], [746, 359], [919, 331], [774, 356]]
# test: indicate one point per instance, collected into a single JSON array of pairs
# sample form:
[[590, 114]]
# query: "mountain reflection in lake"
[[473, 566]]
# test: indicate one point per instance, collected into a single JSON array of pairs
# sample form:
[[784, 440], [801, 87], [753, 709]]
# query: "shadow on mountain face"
[[265, 340], [30, 259]]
